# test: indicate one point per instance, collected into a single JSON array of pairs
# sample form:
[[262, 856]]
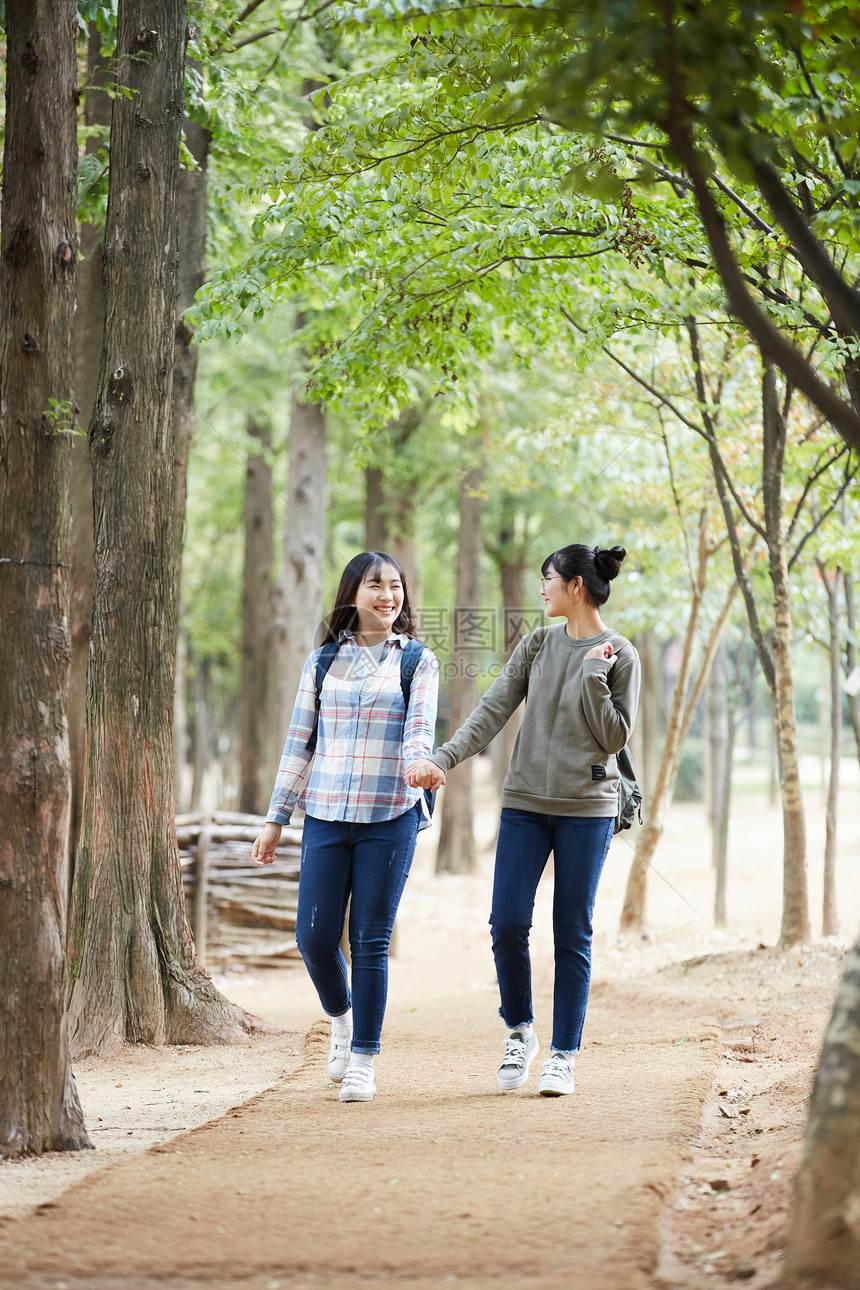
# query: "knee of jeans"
[[370, 944], [315, 943], [508, 931]]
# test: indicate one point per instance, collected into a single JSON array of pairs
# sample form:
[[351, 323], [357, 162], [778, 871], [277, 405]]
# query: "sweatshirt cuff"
[[439, 759]]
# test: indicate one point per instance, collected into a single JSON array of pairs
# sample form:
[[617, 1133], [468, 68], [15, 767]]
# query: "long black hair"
[[595, 565], [344, 615]]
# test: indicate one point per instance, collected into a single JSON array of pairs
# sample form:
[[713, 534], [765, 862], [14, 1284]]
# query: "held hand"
[[425, 774], [603, 651], [265, 844]]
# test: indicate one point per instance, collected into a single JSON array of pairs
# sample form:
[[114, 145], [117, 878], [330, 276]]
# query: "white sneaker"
[[358, 1084], [518, 1052], [338, 1053], [556, 1076]]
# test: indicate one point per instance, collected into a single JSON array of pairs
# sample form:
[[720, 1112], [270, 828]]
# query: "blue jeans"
[[579, 845], [369, 863]]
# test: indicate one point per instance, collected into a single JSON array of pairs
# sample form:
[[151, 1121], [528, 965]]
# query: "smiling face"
[[378, 601], [558, 596]]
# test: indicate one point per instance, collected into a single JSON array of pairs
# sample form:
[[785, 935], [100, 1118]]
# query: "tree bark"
[[193, 191], [375, 514], [511, 555], [851, 656], [456, 851], [87, 332], [775, 659], [39, 1107], [824, 1232], [297, 597], [135, 977], [829, 911], [688, 691], [256, 592], [721, 741], [795, 898]]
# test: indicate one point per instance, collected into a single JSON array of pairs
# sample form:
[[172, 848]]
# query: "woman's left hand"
[[603, 651]]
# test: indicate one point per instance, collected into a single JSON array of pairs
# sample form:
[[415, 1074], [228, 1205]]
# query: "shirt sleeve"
[[295, 757], [419, 730], [610, 697], [503, 697]]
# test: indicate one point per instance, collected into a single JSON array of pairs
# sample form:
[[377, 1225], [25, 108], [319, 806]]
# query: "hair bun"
[[609, 561]]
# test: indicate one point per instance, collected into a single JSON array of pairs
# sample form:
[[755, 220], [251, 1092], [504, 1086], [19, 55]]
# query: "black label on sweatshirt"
[[598, 772]]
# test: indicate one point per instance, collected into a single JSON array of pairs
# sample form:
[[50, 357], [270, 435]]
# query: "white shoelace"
[[557, 1065], [515, 1052]]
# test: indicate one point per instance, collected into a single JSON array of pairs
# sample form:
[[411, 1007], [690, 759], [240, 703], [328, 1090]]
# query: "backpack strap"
[[325, 658], [409, 660]]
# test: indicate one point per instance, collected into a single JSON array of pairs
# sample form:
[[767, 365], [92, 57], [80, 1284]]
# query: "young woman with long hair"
[[580, 683], [366, 707]]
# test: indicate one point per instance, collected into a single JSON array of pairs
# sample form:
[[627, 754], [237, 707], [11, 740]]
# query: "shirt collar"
[[348, 637]]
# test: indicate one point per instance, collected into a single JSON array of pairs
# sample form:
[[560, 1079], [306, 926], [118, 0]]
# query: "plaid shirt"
[[363, 741]]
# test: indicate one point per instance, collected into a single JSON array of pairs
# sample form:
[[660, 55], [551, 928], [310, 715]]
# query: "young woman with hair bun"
[[580, 683]]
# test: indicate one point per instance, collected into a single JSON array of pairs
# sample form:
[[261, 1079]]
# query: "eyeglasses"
[[544, 581]]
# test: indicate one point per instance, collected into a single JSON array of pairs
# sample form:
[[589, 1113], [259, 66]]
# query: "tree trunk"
[[723, 729], [824, 1233], [717, 714], [134, 973], [87, 333], [256, 592], [297, 596], [775, 660], [375, 515], [688, 690], [851, 657], [456, 851], [829, 915], [512, 577], [193, 190], [648, 732], [400, 485], [795, 899], [39, 1107]]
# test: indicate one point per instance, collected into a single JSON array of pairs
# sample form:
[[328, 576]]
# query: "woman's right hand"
[[425, 774], [266, 843]]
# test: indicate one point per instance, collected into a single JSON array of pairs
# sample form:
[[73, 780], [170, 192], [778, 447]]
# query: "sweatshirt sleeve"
[[503, 697], [295, 757], [610, 696]]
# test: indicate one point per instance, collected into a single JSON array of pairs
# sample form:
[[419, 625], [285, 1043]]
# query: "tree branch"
[[842, 300], [770, 340]]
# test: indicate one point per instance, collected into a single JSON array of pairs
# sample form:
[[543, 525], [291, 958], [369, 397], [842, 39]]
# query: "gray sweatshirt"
[[579, 714]]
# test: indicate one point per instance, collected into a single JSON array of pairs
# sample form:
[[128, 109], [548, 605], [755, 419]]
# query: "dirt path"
[[670, 1167], [441, 1178]]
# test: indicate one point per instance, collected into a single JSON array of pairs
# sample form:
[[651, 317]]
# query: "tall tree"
[[824, 1241], [89, 321], [254, 771], [135, 976], [39, 1107], [456, 851]]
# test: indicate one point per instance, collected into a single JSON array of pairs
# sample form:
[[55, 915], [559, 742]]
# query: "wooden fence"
[[240, 912]]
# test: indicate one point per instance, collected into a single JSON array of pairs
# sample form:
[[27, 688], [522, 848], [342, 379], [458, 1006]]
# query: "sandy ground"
[[669, 1168]]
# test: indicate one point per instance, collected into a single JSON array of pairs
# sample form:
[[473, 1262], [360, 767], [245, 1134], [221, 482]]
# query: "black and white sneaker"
[[518, 1052]]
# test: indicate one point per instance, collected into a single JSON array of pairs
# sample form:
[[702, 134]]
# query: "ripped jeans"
[[369, 863]]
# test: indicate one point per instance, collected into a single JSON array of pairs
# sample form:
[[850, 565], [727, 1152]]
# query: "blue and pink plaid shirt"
[[357, 772]]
